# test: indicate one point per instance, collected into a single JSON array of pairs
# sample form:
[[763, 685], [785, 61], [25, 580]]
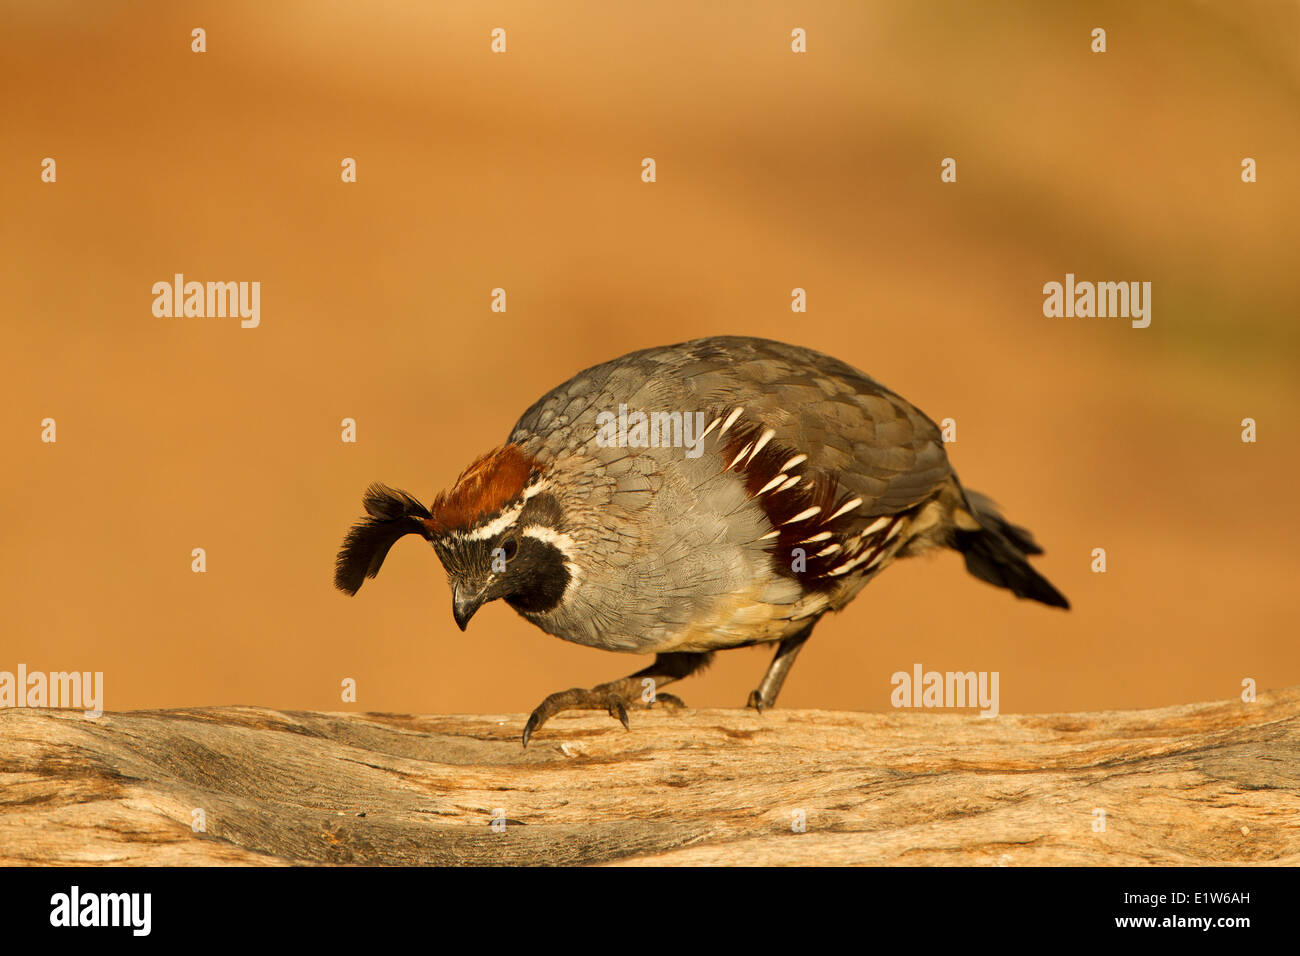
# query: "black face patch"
[[535, 578], [528, 573]]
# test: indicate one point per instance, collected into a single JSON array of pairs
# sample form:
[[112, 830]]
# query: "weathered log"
[[1199, 784]]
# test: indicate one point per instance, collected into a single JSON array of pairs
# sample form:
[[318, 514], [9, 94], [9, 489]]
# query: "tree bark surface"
[[1215, 783]]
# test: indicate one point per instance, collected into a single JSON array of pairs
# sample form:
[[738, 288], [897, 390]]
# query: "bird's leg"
[[765, 696], [617, 695]]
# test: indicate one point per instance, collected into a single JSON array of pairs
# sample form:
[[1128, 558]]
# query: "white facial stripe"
[[536, 489], [496, 525], [505, 519], [558, 539]]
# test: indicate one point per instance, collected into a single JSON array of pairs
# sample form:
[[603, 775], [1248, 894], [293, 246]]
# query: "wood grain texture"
[[1215, 783]]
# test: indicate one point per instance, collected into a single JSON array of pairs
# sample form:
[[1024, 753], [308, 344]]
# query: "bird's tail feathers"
[[996, 552]]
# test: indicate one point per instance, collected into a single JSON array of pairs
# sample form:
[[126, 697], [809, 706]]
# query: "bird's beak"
[[463, 606]]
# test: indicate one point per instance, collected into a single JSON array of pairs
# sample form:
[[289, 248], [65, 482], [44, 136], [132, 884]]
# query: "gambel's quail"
[[682, 500]]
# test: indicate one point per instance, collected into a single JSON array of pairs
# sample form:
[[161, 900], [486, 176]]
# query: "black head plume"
[[392, 514]]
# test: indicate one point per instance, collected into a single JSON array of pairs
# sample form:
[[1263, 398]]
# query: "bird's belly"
[[747, 616], [735, 619]]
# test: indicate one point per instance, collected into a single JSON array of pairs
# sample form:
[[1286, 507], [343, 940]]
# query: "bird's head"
[[498, 532]]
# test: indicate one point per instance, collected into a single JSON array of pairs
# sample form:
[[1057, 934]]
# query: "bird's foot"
[[758, 701], [614, 699]]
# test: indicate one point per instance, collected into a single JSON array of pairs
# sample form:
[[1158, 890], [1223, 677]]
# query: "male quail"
[[806, 479]]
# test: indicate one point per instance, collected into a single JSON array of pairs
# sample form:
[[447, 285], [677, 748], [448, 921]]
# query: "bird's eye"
[[509, 548]]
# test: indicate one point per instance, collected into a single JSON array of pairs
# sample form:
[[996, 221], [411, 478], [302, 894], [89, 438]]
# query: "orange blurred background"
[[522, 170]]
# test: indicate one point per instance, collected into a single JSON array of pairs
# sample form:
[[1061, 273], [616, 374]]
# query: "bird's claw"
[[618, 709], [534, 721], [616, 705]]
